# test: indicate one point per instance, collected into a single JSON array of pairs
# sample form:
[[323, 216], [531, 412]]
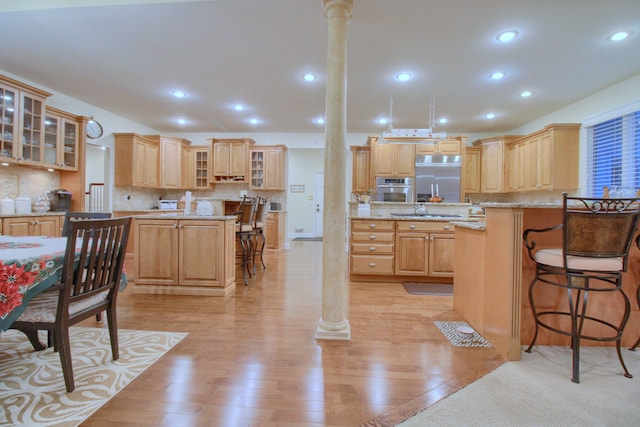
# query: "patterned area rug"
[[459, 339], [418, 288], [32, 390]]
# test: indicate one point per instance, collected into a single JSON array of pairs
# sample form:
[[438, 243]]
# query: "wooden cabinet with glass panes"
[[195, 167], [267, 167], [61, 139], [22, 109]]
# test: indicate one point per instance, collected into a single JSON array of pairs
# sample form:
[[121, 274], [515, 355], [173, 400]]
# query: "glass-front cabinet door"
[[257, 169], [61, 136], [8, 123], [32, 129]]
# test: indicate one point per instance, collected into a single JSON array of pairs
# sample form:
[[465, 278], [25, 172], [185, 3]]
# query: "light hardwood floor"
[[252, 360]]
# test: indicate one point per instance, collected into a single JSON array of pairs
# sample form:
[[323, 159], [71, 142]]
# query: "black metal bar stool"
[[633, 347], [596, 238]]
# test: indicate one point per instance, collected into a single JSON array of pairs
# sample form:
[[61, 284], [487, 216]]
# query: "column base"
[[333, 331]]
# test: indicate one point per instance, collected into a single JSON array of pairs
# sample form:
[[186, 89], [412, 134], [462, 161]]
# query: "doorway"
[[318, 211], [97, 160]]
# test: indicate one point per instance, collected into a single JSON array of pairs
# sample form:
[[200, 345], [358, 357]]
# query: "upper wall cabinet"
[[361, 170], [61, 139], [230, 160], [449, 146], [267, 167], [195, 167], [493, 170], [137, 160], [170, 167], [471, 182], [392, 159], [22, 112]]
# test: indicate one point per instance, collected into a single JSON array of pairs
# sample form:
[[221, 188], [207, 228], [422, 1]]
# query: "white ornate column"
[[335, 296]]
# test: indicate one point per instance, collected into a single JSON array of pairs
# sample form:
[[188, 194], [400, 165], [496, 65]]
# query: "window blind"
[[614, 157]]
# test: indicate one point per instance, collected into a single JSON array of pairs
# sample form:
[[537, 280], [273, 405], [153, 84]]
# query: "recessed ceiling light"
[[309, 77], [620, 35], [383, 121], [497, 75], [526, 94], [178, 94], [443, 120], [182, 122], [507, 36], [318, 121], [254, 121], [490, 116], [404, 76], [238, 107]]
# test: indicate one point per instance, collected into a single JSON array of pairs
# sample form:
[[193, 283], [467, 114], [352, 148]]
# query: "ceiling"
[[126, 56]]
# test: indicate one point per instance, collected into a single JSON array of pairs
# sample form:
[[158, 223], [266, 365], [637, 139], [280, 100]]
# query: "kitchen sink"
[[410, 214]]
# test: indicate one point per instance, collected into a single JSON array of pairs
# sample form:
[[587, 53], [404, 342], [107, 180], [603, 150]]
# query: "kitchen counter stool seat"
[[244, 233], [637, 343], [596, 241], [259, 240]]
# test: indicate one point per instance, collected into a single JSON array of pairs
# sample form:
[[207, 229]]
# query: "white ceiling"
[[127, 58]]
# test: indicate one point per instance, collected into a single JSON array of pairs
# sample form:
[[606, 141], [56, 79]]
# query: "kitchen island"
[[181, 254], [494, 272]]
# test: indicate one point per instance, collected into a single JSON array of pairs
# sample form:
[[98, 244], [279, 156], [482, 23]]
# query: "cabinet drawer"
[[424, 226], [372, 248], [363, 224], [371, 236], [367, 264]]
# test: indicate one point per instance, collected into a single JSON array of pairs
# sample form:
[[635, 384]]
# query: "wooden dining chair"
[[77, 215], [92, 270]]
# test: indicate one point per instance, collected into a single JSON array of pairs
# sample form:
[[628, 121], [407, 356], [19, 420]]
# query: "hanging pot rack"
[[412, 136]]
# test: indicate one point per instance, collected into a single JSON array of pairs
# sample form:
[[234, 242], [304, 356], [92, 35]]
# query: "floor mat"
[[459, 339], [417, 288]]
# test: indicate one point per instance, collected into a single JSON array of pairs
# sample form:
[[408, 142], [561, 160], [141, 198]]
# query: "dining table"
[[29, 265]]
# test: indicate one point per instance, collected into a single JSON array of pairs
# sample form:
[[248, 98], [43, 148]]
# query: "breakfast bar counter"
[[493, 273]]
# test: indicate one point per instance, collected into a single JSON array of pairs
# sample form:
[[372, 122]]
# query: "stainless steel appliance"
[[60, 200], [394, 189], [438, 174]]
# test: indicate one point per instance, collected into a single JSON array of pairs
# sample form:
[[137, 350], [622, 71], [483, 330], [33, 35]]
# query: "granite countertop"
[[182, 216], [408, 218], [17, 215], [473, 225], [523, 205]]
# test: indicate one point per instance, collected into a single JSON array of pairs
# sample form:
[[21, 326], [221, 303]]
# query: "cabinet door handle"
[[446, 227], [372, 248], [181, 226], [372, 264], [372, 226], [412, 226], [175, 226], [372, 237]]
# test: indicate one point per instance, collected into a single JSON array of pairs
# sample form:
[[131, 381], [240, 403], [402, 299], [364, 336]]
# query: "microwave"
[[399, 190], [167, 205]]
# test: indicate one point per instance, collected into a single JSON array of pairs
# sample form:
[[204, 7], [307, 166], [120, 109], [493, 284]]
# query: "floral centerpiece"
[[365, 197], [14, 281]]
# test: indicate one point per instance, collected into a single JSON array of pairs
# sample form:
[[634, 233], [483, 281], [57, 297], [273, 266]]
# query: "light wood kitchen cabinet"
[[137, 161], [471, 170], [195, 167], [170, 159], [449, 146], [267, 167], [392, 159], [493, 170], [372, 247], [424, 249], [61, 139], [274, 230], [184, 256], [22, 112], [544, 160], [361, 180], [47, 225], [230, 160]]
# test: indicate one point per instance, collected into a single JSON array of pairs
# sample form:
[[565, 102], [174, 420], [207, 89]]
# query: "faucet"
[[420, 209]]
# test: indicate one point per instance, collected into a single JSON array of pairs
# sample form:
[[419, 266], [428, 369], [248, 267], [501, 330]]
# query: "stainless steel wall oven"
[[395, 189]]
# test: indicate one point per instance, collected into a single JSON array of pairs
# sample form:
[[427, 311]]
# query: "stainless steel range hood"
[[439, 160]]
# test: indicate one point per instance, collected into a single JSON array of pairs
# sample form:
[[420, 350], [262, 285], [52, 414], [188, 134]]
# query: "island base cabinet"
[[185, 257], [32, 226]]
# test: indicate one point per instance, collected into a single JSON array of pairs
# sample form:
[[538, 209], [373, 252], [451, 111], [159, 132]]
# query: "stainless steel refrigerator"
[[438, 174]]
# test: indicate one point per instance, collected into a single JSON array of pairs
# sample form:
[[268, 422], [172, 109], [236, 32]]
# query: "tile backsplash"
[[18, 181]]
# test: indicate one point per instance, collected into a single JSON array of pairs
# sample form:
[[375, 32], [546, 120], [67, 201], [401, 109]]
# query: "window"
[[614, 153]]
